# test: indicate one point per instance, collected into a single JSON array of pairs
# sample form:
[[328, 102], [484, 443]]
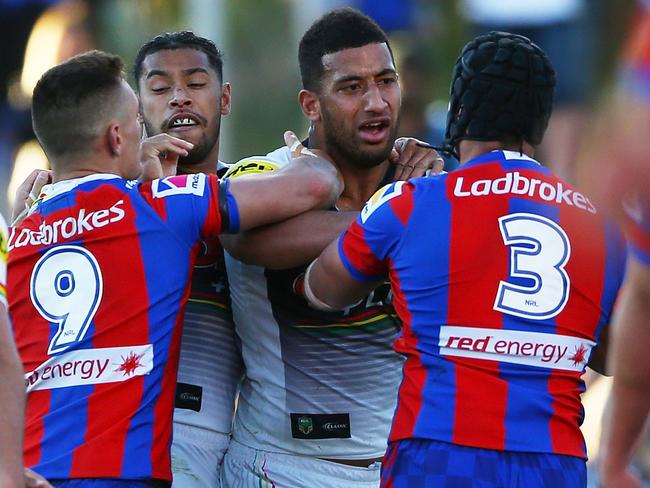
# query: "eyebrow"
[[186, 72], [348, 78]]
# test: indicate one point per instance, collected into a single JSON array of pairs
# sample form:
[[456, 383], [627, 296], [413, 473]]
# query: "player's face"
[[130, 130], [182, 95], [359, 103]]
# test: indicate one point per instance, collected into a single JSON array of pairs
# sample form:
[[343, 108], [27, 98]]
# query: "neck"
[[360, 182], [68, 170], [207, 165], [469, 150]]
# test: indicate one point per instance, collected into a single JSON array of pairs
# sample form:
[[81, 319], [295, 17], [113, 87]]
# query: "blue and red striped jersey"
[[504, 277], [99, 274]]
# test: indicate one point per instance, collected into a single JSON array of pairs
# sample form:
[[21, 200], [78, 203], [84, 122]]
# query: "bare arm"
[[12, 395], [630, 363], [291, 243], [308, 182], [329, 285]]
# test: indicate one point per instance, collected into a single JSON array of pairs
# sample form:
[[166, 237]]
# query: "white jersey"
[[325, 391], [210, 366], [3, 260]]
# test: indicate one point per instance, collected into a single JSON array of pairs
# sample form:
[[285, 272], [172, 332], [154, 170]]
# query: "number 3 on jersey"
[[66, 288], [539, 250]]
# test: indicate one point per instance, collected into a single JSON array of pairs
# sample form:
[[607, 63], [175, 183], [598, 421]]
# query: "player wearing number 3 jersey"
[[100, 272], [504, 277]]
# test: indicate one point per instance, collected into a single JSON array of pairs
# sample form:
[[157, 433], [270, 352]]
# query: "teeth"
[[185, 121]]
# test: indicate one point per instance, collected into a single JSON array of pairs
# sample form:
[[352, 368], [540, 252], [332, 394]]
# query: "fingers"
[[295, 146], [416, 158], [164, 146], [28, 192], [42, 179]]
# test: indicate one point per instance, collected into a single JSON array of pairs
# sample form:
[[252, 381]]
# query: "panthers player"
[[12, 391], [504, 277], [179, 79], [320, 388], [100, 270]]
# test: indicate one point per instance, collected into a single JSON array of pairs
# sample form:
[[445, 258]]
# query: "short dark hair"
[[501, 90], [339, 29], [72, 98], [179, 40]]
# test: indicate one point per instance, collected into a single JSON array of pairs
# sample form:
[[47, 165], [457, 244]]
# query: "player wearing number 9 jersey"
[[504, 277], [100, 272]]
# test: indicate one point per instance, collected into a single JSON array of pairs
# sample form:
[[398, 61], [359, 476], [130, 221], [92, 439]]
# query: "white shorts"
[[245, 467], [197, 455]]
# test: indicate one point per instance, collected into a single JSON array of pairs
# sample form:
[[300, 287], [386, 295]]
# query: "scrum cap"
[[502, 86]]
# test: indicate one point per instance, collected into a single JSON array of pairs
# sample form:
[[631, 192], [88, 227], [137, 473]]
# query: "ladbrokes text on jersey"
[[51, 233]]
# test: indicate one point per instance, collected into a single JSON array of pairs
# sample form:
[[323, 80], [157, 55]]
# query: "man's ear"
[[114, 139], [310, 105], [225, 99]]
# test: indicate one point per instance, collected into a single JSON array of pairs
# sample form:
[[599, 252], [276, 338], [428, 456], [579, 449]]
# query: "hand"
[[413, 158], [159, 155], [35, 480], [298, 151], [297, 148], [28, 192]]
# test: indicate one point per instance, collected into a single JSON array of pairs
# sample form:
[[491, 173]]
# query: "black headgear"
[[502, 86]]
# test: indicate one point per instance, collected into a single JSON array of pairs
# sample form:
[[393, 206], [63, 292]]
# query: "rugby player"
[[99, 272], [180, 84], [315, 404], [504, 277]]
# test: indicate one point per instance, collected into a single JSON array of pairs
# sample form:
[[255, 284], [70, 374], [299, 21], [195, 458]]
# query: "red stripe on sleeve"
[[359, 254], [213, 221], [402, 206]]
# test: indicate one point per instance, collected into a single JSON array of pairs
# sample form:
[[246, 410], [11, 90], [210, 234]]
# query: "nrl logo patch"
[[305, 425]]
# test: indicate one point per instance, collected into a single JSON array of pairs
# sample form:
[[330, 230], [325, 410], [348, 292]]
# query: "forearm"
[[307, 183], [290, 243], [329, 286]]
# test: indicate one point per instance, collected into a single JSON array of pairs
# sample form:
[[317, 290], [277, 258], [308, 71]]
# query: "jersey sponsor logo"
[[70, 227], [188, 397], [250, 166], [320, 426], [91, 367], [516, 184], [193, 184], [380, 197], [519, 347]]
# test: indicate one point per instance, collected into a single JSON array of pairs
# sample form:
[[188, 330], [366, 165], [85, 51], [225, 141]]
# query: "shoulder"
[[384, 198], [260, 164], [192, 184]]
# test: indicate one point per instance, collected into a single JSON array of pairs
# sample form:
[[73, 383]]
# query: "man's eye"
[[196, 85], [388, 81], [352, 88], [159, 89]]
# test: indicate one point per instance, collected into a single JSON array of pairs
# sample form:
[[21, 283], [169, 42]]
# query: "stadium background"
[[259, 39]]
